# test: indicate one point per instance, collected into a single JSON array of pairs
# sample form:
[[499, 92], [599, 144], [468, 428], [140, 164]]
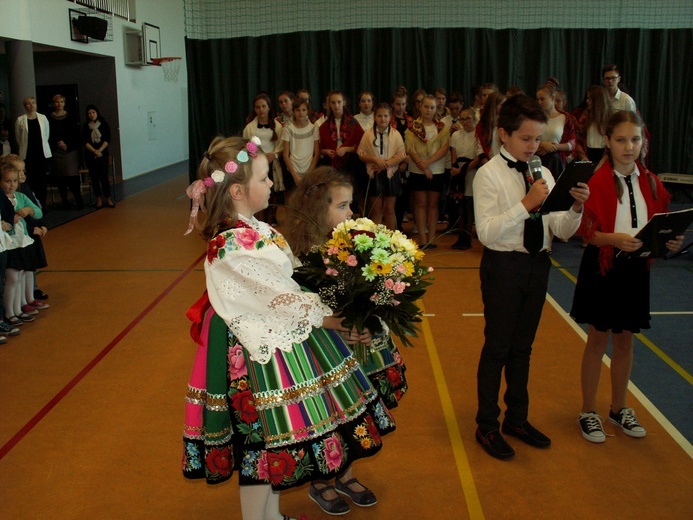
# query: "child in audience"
[[427, 143], [613, 293], [559, 137], [465, 152], [382, 149], [487, 128], [262, 124], [301, 145], [285, 102], [365, 115], [21, 256]]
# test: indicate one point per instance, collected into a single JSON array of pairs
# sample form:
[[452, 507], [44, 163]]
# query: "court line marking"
[[646, 341], [672, 313], [464, 471], [637, 393], [17, 437]]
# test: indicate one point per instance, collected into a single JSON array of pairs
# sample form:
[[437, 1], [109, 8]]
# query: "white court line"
[[474, 315], [673, 313], [649, 406]]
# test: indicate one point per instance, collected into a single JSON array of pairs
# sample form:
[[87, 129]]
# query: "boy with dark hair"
[[514, 270]]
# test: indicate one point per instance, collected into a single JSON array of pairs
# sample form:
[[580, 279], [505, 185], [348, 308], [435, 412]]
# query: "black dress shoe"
[[527, 434], [461, 245], [494, 444], [336, 506]]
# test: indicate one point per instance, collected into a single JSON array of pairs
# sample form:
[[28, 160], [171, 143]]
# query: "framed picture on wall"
[[151, 36]]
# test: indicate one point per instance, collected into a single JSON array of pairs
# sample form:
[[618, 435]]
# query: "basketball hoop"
[[171, 66]]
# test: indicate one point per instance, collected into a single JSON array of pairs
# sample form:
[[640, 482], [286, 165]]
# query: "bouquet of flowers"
[[369, 275]]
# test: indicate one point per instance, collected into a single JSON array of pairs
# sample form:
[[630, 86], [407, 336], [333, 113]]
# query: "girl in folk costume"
[[613, 293], [261, 124], [382, 149], [427, 143], [320, 203], [275, 392]]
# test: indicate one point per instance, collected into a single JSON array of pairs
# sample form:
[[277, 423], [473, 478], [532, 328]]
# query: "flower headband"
[[232, 166], [198, 188]]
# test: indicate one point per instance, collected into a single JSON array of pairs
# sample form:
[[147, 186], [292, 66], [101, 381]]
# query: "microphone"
[[535, 167]]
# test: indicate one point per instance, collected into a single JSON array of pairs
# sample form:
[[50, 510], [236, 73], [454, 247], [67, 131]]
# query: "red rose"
[[393, 376], [218, 461], [243, 402], [215, 244], [280, 465]]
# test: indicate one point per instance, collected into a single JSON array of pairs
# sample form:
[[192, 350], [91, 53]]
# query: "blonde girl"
[[275, 392], [427, 143]]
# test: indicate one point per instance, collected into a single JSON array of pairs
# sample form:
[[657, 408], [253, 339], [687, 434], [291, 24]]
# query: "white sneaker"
[[591, 426], [625, 419]]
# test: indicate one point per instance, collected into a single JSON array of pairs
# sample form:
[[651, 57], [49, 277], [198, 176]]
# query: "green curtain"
[[224, 75]]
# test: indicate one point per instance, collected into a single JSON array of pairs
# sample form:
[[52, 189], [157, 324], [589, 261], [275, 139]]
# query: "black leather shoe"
[[527, 434], [336, 506], [365, 498], [494, 444]]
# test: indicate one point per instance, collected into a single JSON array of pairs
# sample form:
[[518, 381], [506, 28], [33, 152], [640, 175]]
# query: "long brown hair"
[[489, 116], [627, 116], [598, 112], [308, 223], [221, 212]]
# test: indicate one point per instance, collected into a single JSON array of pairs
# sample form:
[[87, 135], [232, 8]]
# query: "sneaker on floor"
[[14, 321], [625, 419], [25, 317], [8, 330], [39, 304], [3, 340], [592, 427], [28, 309]]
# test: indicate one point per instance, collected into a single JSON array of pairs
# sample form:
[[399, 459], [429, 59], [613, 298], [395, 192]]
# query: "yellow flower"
[[380, 268], [280, 241], [360, 430], [419, 255], [342, 255], [366, 443], [408, 268]]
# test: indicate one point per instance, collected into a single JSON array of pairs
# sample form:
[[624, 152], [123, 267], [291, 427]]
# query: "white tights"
[[260, 503], [19, 290], [14, 291]]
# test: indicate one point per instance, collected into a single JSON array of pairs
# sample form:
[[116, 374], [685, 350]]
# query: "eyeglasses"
[[610, 78]]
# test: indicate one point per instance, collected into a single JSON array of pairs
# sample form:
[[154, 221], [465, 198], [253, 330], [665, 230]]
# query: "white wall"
[[140, 89]]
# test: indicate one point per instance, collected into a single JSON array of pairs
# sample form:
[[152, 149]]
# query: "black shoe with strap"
[[494, 444], [527, 434]]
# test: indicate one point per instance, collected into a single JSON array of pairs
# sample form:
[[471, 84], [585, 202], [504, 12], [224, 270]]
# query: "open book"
[[661, 228]]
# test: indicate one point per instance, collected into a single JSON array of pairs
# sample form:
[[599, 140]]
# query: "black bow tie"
[[260, 125], [520, 166]]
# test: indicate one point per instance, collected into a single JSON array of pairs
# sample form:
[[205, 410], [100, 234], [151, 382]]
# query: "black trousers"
[[513, 289]]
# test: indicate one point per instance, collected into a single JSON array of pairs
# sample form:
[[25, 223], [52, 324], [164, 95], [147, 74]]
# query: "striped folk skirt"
[[307, 414]]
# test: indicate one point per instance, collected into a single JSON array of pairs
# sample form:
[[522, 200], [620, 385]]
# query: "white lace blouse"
[[249, 282]]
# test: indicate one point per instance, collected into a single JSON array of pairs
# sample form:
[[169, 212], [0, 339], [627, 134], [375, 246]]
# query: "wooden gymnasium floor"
[[92, 411]]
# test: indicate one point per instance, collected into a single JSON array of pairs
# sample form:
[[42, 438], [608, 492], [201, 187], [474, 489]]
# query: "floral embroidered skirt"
[[307, 414], [385, 369]]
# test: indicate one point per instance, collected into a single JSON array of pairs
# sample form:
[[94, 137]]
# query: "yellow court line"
[[648, 343], [465, 472]]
